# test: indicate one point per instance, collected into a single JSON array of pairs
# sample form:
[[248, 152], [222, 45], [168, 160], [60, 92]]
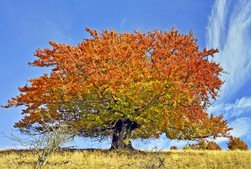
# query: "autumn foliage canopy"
[[125, 86]]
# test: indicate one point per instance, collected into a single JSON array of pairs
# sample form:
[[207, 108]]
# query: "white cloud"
[[241, 127], [18, 147], [123, 24], [180, 143], [151, 144], [241, 107], [221, 140], [229, 31], [161, 143], [240, 111], [217, 23]]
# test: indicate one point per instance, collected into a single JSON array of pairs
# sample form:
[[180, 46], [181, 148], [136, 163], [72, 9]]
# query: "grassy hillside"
[[101, 159]]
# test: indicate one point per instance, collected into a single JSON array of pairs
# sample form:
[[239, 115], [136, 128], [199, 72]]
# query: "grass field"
[[102, 159]]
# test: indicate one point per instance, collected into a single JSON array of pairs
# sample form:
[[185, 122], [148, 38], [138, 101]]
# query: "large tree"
[[125, 86]]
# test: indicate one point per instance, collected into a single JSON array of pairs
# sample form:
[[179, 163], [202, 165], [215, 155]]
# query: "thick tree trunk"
[[122, 134]]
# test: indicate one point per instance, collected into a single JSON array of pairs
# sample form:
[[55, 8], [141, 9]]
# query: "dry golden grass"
[[102, 159]]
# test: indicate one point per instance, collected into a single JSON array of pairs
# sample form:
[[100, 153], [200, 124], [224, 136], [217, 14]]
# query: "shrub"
[[174, 148], [201, 145], [205, 145], [236, 144], [213, 146]]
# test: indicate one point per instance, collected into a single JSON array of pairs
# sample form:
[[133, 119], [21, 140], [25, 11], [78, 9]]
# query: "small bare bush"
[[46, 143]]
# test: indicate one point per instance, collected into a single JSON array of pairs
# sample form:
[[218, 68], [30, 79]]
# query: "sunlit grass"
[[100, 159]]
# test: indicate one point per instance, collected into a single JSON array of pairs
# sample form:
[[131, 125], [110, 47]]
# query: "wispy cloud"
[[238, 115], [123, 24], [241, 107], [161, 143], [217, 22], [19, 147], [151, 144], [241, 127], [229, 30], [221, 140]]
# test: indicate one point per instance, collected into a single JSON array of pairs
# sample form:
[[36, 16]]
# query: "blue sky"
[[225, 24]]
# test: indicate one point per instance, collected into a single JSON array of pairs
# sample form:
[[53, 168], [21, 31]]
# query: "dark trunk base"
[[122, 133], [122, 147]]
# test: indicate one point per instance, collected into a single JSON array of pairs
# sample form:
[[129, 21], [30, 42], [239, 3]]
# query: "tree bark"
[[122, 134]]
